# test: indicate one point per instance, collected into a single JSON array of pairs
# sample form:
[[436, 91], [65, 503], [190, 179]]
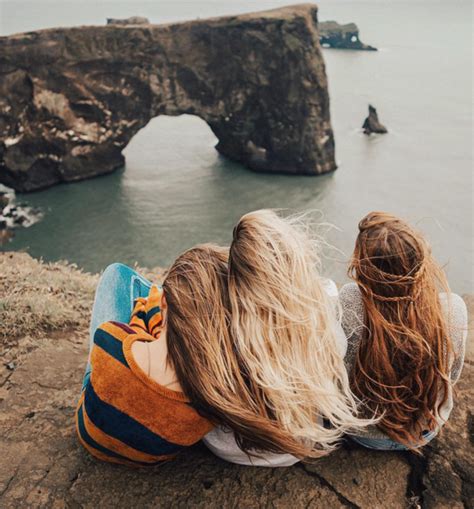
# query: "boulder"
[[4, 200]]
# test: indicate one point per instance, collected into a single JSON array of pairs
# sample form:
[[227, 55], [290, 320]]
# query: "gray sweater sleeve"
[[453, 307], [352, 308], [455, 312]]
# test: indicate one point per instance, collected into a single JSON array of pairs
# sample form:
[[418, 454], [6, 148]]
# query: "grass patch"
[[38, 297]]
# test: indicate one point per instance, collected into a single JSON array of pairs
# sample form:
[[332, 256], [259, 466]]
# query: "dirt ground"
[[42, 464]]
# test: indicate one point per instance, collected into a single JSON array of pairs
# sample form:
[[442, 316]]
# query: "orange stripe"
[[172, 420], [116, 445], [103, 457]]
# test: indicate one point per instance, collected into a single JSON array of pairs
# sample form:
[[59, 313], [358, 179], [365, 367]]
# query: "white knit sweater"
[[455, 312]]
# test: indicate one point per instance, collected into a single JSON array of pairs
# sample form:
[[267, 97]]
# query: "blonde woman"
[[407, 334], [290, 348]]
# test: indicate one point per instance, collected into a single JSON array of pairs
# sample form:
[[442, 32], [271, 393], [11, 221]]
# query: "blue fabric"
[[121, 426], [90, 441], [387, 444], [110, 345], [116, 292]]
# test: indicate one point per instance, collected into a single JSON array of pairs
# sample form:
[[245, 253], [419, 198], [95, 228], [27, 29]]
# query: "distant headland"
[[335, 35]]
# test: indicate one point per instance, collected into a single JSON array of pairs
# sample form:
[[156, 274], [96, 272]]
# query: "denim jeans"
[[387, 444], [118, 287]]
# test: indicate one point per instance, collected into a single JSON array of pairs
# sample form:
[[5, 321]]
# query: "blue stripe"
[[91, 442], [141, 315], [152, 312], [111, 345], [118, 425]]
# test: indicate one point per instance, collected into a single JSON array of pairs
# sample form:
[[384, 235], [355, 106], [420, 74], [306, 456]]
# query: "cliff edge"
[[44, 313]]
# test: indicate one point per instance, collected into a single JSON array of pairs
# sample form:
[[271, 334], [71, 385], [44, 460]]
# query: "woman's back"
[[405, 337], [123, 415], [353, 324], [222, 441], [286, 336]]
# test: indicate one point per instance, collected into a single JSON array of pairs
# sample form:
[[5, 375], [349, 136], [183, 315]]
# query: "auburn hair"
[[401, 370]]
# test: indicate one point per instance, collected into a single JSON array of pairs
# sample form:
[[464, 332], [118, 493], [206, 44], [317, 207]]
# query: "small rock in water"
[[371, 123], [20, 219], [14, 215], [5, 236], [335, 35]]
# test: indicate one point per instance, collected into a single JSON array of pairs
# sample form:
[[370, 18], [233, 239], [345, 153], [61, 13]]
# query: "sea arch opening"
[[171, 143]]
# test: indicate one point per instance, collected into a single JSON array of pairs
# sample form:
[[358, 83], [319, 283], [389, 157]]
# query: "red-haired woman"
[[406, 340]]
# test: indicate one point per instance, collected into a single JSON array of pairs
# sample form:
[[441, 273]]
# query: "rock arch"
[[72, 98]]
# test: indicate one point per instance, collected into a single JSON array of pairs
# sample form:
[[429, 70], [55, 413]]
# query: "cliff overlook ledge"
[[43, 356], [72, 98]]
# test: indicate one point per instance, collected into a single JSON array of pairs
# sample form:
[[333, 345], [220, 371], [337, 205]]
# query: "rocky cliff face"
[[72, 98]]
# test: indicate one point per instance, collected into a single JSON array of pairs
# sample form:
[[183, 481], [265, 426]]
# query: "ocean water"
[[176, 191]]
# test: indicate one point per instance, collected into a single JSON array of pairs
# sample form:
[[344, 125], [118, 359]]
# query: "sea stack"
[[371, 123], [337, 36]]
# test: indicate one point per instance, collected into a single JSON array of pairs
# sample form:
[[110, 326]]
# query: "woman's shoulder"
[[351, 300], [453, 304], [455, 312], [352, 322], [350, 291]]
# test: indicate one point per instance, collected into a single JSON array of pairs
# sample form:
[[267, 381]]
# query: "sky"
[[24, 15]]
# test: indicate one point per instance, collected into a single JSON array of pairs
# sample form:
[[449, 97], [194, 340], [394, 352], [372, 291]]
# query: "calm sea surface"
[[176, 191]]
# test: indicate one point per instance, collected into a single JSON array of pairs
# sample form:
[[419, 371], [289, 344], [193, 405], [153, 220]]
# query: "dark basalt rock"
[[14, 215], [133, 20], [334, 35], [72, 98], [4, 201], [371, 123]]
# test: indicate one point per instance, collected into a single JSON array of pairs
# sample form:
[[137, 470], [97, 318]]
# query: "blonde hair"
[[285, 329], [201, 348], [402, 366]]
